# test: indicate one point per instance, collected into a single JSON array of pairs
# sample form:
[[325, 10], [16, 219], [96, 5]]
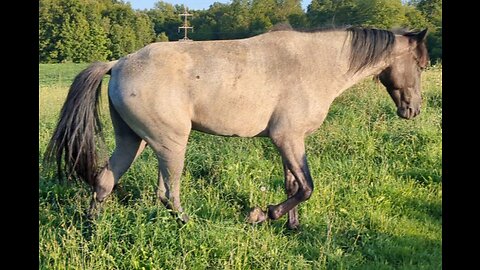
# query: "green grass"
[[376, 204], [58, 75]]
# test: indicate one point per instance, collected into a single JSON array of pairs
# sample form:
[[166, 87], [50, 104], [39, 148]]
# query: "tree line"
[[98, 30]]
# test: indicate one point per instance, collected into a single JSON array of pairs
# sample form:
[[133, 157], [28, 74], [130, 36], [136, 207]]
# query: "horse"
[[279, 84]]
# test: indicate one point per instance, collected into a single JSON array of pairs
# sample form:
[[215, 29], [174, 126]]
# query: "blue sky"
[[192, 4]]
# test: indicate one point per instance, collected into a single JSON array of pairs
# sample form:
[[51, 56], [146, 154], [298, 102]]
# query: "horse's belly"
[[229, 132], [232, 123]]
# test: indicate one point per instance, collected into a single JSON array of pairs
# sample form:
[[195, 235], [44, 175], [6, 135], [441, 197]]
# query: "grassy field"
[[376, 205]]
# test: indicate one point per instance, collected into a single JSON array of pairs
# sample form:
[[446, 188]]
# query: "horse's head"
[[402, 76]]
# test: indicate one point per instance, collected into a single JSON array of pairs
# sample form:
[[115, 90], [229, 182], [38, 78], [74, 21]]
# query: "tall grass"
[[376, 204]]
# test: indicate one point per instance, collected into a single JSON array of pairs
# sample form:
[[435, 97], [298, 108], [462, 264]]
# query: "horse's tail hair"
[[79, 122]]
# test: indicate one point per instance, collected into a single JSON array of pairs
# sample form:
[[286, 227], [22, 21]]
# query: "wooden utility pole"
[[185, 26]]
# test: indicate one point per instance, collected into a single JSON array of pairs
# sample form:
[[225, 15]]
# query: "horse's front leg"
[[291, 188], [299, 187]]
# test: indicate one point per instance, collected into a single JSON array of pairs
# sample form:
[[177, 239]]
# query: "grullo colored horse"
[[279, 84]]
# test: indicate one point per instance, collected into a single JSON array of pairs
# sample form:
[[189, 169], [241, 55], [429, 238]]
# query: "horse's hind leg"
[[128, 146], [171, 158]]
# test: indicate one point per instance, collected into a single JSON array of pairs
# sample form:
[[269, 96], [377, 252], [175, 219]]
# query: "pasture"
[[377, 202]]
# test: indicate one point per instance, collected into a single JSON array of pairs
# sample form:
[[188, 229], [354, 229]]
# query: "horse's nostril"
[[410, 112]]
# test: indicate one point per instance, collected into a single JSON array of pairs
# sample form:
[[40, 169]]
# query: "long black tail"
[[74, 136]]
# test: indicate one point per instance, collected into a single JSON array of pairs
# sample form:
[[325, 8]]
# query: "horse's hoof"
[[182, 219], [256, 216], [91, 214], [293, 226]]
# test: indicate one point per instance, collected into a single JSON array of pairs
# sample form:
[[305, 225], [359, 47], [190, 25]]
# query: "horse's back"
[[220, 86]]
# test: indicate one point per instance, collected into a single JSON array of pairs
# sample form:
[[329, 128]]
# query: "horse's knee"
[[273, 212], [304, 193], [291, 188]]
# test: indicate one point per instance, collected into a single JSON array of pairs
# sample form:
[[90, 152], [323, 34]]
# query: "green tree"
[[68, 32], [164, 17], [235, 21], [414, 19], [162, 37], [89, 30], [373, 13], [266, 13], [49, 21], [380, 13], [432, 11], [204, 25], [263, 16], [144, 31], [288, 9], [333, 13], [129, 30]]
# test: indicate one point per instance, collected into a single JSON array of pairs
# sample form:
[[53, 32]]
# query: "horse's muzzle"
[[408, 112]]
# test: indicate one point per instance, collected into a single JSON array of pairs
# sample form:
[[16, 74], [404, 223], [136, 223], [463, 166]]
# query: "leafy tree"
[[414, 19], [263, 15], [89, 30], [162, 37], [164, 17], [381, 13], [204, 25], [144, 32], [49, 20], [68, 34], [333, 13], [129, 30], [288, 9], [234, 23], [373, 13], [432, 11]]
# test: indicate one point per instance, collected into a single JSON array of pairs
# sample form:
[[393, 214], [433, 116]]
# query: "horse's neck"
[[333, 69], [352, 79]]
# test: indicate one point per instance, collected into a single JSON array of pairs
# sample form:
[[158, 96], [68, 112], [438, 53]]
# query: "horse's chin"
[[407, 113]]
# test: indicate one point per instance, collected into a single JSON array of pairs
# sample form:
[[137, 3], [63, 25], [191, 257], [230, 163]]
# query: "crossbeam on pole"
[[185, 26]]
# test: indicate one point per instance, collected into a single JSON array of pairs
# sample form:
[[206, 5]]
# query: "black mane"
[[368, 46]]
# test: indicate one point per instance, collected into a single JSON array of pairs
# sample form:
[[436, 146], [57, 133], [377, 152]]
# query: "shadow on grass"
[[422, 176], [402, 251], [126, 194], [423, 210], [230, 198], [368, 249]]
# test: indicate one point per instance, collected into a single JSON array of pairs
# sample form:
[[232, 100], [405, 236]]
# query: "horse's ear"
[[417, 36], [422, 35]]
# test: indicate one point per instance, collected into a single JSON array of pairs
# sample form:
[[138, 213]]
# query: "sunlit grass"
[[376, 204]]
